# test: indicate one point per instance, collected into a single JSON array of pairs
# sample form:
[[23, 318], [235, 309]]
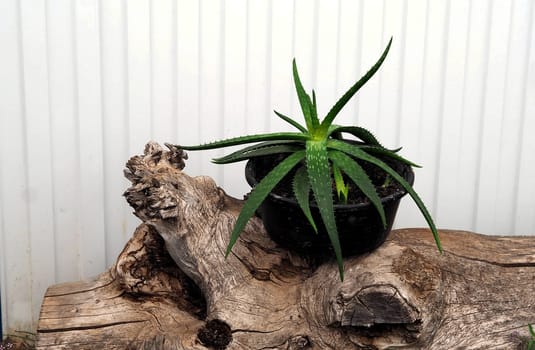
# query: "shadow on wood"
[[172, 287]]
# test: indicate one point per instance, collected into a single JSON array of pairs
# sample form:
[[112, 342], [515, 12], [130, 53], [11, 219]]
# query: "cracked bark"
[[172, 288]]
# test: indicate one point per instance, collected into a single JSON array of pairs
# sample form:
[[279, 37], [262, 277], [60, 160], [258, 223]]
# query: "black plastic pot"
[[359, 226]]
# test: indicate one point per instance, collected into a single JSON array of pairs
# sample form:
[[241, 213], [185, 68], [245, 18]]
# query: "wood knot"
[[299, 342], [375, 304], [176, 156], [216, 334]]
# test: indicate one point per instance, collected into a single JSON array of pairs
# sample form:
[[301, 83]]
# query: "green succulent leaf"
[[320, 180], [291, 122], [314, 108], [301, 188], [241, 140], [265, 144], [368, 139], [360, 154], [363, 134], [260, 192], [353, 90], [251, 152], [342, 189], [388, 153], [307, 106], [355, 172], [531, 342]]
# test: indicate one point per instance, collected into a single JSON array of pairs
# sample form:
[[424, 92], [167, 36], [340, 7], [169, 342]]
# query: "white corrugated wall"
[[84, 84]]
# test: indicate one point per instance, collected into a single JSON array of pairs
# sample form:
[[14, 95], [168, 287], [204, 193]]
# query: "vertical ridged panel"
[[432, 94], [17, 307], [373, 43], [411, 104], [233, 90], [114, 114], [348, 56], [524, 215], [188, 87], [139, 78], [162, 60], [391, 80], [492, 118], [451, 121], [92, 248], [64, 135], [282, 52], [513, 117], [38, 157], [211, 77], [325, 54]]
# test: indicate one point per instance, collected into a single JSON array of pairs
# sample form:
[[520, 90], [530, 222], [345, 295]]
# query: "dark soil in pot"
[[359, 225]]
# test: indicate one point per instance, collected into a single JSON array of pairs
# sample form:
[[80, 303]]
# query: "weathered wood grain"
[[172, 283]]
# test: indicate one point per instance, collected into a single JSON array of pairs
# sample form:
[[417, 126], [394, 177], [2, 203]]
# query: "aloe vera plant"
[[318, 150]]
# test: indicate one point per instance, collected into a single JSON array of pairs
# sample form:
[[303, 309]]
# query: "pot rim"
[[408, 175]]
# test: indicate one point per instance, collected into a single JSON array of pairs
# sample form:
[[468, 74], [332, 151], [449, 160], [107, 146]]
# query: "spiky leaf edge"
[[291, 122], [260, 192], [318, 170], [387, 153], [342, 189], [359, 177], [301, 188], [363, 134], [241, 140], [307, 106], [327, 121], [360, 154], [251, 152]]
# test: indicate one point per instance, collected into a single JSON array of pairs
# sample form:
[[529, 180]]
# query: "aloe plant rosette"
[[317, 150]]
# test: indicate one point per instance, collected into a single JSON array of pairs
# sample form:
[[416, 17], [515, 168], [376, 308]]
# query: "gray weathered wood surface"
[[172, 277]]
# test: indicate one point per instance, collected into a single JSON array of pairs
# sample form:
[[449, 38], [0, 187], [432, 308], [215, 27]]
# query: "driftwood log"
[[172, 287]]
